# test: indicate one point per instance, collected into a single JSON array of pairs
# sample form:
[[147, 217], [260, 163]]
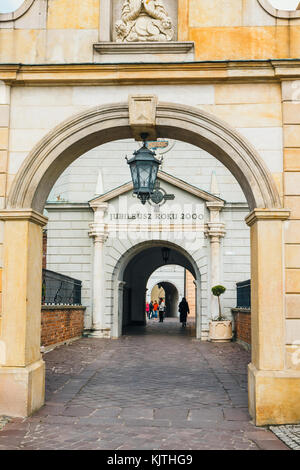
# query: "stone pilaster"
[[215, 231], [4, 132], [99, 234], [291, 191], [22, 372]]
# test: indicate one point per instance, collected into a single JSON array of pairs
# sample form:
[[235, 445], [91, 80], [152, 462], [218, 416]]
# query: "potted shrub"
[[220, 329]]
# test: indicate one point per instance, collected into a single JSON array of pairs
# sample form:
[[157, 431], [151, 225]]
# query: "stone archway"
[[171, 295], [142, 260], [75, 136], [273, 390], [171, 298]]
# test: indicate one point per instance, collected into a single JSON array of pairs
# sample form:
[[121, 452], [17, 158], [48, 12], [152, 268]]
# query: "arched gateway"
[[274, 392]]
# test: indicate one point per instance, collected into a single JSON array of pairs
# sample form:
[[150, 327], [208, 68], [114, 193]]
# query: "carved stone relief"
[[144, 21]]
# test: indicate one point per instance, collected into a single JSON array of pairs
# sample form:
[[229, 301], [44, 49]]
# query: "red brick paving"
[[156, 388]]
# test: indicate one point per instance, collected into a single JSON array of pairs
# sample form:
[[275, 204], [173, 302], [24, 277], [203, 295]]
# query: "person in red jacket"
[[155, 309], [148, 310]]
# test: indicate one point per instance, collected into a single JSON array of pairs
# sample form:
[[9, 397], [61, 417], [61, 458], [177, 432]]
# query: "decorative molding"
[[14, 15], [67, 206], [266, 214], [154, 73], [236, 206], [98, 235], [23, 214], [35, 178], [284, 14], [180, 51], [215, 231], [215, 205], [98, 228], [200, 193], [98, 206], [142, 115], [157, 228], [180, 47], [144, 21]]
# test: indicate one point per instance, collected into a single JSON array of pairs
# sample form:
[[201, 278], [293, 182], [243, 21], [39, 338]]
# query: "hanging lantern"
[[144, 167], [165, 254]]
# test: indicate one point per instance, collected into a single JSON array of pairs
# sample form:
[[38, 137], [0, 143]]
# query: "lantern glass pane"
[[153, 176], [134, 175], [144, 173]]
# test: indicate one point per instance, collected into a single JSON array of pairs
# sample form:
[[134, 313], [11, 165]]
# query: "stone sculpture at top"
[[144, 21]]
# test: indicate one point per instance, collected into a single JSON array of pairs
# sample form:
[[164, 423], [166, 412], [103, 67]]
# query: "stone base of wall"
[[61, 324], [242, 326]]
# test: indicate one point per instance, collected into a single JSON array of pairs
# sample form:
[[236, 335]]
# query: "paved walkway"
[[156, 388]]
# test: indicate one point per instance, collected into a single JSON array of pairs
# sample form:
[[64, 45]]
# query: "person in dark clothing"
[[184, 310], [151, 310]]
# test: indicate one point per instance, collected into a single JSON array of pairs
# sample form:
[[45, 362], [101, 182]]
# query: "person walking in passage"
[[161, 310], [150, 310], [155, 308], [184, 310]]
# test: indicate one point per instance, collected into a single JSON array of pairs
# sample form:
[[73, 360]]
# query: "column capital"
[[23, 214], [98, 233], [215, 231], [98, 206], [267, 214], [215, 206]]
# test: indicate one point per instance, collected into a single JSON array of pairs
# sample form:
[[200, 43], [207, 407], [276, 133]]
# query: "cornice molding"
[[23, 214], [133, 52], [150, 73], [266, 214], [166, 177]]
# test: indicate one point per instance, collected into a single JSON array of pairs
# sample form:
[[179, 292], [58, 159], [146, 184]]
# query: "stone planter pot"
[[220, 331]]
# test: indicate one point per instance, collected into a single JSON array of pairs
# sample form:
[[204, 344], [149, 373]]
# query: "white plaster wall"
[[236, 254], [79, 182], [70, 250]]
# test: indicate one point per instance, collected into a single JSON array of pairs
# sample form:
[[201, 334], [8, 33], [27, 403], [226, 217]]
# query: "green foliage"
[[218, 290]]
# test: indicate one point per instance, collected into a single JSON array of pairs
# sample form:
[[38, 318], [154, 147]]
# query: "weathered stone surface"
[[133, 396], [144, 21]]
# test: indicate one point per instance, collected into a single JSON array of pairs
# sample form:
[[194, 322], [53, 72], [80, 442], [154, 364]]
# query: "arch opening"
[[170, 295], [135, 270], [58, 149]]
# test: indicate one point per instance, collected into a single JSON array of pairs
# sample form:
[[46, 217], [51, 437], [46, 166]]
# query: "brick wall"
[[242, 325], [61, 323], [44, 249]]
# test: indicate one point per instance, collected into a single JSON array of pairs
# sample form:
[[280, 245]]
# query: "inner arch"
[[135, 270]]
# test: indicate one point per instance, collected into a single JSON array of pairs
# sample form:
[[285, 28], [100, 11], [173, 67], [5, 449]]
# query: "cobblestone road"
[[156, 388]]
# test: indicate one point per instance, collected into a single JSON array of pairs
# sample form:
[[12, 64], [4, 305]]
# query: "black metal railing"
[[243, 294], [58, 289]]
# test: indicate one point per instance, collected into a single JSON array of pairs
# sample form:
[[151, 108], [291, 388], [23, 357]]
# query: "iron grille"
[[244, 294], [58, 289]]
